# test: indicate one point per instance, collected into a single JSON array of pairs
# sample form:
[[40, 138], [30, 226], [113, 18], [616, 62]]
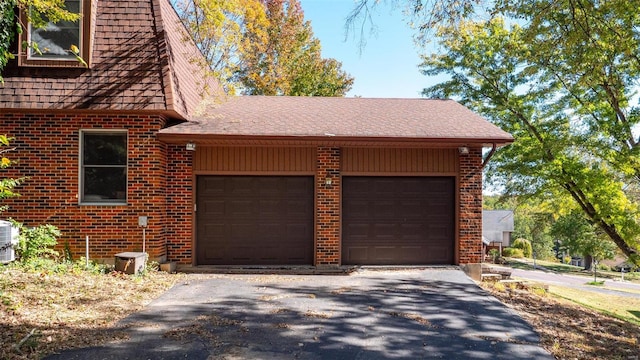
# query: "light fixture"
[[463, 150], [328, 181], [191, 146]]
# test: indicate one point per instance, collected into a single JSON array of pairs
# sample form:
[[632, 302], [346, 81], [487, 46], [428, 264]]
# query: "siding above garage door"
[[254, 220], [360, 161], [398, 220], [255, 159]]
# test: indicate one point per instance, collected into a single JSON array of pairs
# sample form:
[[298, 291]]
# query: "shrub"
[[524, 245], [36, 242], [512, 252], [494, 254]]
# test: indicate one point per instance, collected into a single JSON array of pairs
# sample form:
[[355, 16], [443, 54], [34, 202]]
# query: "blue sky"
[[387, 66]]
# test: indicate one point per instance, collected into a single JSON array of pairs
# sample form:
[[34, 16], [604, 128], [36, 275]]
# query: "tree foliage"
[[532, 218], [218, 28], [284, 58], [524, 245], [40, 13], [561, 76], [7, 184], [578, 236], [423, 15], [262, 47]]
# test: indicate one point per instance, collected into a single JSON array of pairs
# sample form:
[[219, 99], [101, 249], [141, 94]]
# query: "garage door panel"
[[384, 254], [296, 232], [254, 220], [398, 220], [213, 207], [299, 208], [412, 232], [440, 255], [382, 208], [239, 186], [239, 207], [212, 186], [271, 231], [357, 254], [355, 231], [412, 208], [359, 208], [384, 232]]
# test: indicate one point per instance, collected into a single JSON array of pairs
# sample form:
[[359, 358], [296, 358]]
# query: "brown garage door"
[[398, 220], [254, 220]]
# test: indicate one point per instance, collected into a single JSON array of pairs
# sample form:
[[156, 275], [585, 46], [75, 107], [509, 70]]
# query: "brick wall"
[[179, 204], [470, 181], [47, 147], [328, 207]]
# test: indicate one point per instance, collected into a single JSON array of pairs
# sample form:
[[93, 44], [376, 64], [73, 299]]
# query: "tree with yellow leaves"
[[6, 184], [262, 47]]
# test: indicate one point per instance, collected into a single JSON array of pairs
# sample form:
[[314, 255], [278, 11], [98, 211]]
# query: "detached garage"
[[279, 181]]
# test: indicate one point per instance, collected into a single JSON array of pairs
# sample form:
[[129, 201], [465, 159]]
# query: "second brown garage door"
[[254, 220], [398, 220]]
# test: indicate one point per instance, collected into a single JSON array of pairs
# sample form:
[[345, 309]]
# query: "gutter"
[[486, 160]]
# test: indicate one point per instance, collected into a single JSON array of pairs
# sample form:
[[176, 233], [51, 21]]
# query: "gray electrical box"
[[142, 221]]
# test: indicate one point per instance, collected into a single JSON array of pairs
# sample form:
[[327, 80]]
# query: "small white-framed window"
[[103, 167], [54, 41]]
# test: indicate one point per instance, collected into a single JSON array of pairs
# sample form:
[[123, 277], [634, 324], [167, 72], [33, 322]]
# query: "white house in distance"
[[497, 226]]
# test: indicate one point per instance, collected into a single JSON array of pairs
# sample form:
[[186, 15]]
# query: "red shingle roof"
[[324, 117], [142, 59]]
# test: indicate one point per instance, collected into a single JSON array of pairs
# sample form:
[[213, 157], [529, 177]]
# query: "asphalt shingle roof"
[[141, 59], [284, 116]]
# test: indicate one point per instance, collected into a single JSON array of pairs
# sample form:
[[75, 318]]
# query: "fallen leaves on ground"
[[570, 331], [43, 313]]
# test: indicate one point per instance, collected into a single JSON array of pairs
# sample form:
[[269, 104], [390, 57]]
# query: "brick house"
[[231, 181]]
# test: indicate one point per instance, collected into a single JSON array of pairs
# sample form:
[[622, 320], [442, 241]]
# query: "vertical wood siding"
[[406, 161], [220, 159]]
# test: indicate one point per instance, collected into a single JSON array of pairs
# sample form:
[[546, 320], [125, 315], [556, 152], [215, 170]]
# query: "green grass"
[[596, 283], [624, 308]]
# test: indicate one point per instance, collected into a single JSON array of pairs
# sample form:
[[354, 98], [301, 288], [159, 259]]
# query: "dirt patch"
[[570, 331], [43, 313]]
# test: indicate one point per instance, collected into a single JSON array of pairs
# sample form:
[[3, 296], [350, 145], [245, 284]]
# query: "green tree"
[[561, 79], [40, 13], [578, 236], [284, 58]]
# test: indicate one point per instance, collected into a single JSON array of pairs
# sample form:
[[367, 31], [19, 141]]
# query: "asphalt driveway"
[[405, 314]]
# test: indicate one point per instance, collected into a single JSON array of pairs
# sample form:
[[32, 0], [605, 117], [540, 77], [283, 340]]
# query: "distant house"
[[497, 227], [252, 180]]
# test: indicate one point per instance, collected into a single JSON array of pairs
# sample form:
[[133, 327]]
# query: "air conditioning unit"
[[8, 239]]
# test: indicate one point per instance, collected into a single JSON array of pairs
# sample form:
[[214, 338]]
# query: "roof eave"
[[224, 139]]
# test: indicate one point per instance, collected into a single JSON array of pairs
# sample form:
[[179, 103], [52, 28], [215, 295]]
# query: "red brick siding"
[[470, 226], [328, 207], [180, 204], [47, 147]]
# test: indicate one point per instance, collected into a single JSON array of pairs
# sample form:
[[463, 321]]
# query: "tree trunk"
[[588, 262]]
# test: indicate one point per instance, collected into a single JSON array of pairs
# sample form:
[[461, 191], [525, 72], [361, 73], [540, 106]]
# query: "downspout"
[[493, 151]]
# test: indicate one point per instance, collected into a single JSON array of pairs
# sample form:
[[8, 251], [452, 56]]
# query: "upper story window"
[[56, 39], [54, 44], [103, 167]]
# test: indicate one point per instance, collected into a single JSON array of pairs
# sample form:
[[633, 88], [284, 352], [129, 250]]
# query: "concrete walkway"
[[402, 314]]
